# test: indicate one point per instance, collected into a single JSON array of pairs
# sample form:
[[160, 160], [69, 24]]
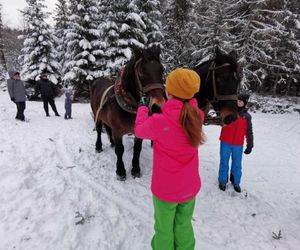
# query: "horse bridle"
[[144, 90], [218, 97]]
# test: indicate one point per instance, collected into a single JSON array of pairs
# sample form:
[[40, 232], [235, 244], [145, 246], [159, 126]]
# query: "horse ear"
[[136, 52], [152, 52], [233, 54]]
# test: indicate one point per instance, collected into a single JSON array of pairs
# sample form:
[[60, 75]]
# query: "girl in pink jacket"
[[176, 134]]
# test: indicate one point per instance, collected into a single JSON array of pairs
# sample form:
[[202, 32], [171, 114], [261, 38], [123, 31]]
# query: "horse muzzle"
[[155, 105]]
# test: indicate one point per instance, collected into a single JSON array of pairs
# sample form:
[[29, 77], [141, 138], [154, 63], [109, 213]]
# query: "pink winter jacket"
[[175, 176]]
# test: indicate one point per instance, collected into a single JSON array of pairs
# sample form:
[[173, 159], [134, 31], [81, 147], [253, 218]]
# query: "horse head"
[[144, 76], [219, 85]]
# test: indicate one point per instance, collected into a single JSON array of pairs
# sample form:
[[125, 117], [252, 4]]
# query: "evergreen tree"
[[38, 54], [61, 24], [83, 45], [152, 17], [124, 29], [288, 50], [179, 41], [218, 26], [269, 48]]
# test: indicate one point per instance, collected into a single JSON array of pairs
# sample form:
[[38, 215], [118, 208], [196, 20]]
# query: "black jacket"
[[244, 113], [46, 88]]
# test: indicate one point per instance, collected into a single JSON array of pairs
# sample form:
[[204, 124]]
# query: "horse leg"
[[119, 149], [99, 141], [109, 132], [136, 171]]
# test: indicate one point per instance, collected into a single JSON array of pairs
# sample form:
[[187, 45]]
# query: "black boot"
[[57, 114], [237, 188], [222, 187]]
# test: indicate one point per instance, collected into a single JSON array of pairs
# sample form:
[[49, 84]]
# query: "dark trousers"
[[49, 100], [20, 110]]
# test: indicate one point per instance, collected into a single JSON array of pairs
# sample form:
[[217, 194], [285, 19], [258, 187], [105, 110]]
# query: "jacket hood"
[[12, 72]]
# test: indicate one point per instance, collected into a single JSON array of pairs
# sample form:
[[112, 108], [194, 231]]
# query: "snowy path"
[[58, 193]]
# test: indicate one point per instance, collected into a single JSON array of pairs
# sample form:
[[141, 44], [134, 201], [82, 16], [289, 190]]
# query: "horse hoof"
[[136, 174], [121, 177], [99, 150]]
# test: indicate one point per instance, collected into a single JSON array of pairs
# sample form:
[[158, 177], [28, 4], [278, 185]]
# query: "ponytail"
[[192, 124]]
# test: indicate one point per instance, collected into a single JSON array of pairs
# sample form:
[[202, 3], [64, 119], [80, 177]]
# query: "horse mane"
[[129, 73]]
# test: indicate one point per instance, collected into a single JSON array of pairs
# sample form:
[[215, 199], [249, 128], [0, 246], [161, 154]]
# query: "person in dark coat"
[[47, 90], [232, 140], [17, 93]]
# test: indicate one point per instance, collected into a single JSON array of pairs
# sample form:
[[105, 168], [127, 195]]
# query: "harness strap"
[[219, 97], [152, 86], [102, 102]]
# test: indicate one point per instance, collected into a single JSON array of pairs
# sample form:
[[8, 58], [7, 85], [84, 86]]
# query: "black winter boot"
[[237, 188], [222, 187]]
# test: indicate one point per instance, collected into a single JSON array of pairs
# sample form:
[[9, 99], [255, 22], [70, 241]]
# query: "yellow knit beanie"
[[183, 83]]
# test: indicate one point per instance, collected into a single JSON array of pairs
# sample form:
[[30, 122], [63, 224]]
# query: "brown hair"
[[191, 123]]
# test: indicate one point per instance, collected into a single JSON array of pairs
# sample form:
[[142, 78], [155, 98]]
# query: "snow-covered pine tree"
[[38, 54], [61, 16], [264, 45], [218, 22], [179, 36], [124, 29], [288, 50], [152, 17], [83, 46]]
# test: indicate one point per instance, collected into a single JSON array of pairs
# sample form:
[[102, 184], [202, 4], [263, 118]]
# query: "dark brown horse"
[[219, 85], [114, 103]]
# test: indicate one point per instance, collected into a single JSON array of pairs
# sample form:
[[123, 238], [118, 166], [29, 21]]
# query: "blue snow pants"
[[236, 153]]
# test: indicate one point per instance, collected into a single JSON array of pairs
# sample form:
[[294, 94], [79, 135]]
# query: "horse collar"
[[125, 100]]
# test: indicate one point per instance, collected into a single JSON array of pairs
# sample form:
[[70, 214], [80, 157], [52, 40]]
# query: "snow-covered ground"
[[58, 193]]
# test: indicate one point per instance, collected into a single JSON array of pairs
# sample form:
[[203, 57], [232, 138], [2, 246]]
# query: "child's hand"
[[144, 101], [248, 151]]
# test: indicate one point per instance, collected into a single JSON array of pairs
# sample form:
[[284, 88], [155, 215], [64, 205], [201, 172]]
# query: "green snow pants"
[[173, 225]]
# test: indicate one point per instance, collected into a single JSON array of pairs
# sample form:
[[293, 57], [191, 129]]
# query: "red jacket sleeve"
[[144, 124]]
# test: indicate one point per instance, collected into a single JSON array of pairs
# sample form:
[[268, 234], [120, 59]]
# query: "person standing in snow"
[[176, 133], [232, 140], [68, 102], [47, 90], [17, 93]]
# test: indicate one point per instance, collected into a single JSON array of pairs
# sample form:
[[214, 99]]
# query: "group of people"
[[45, 87], [177, 133]]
